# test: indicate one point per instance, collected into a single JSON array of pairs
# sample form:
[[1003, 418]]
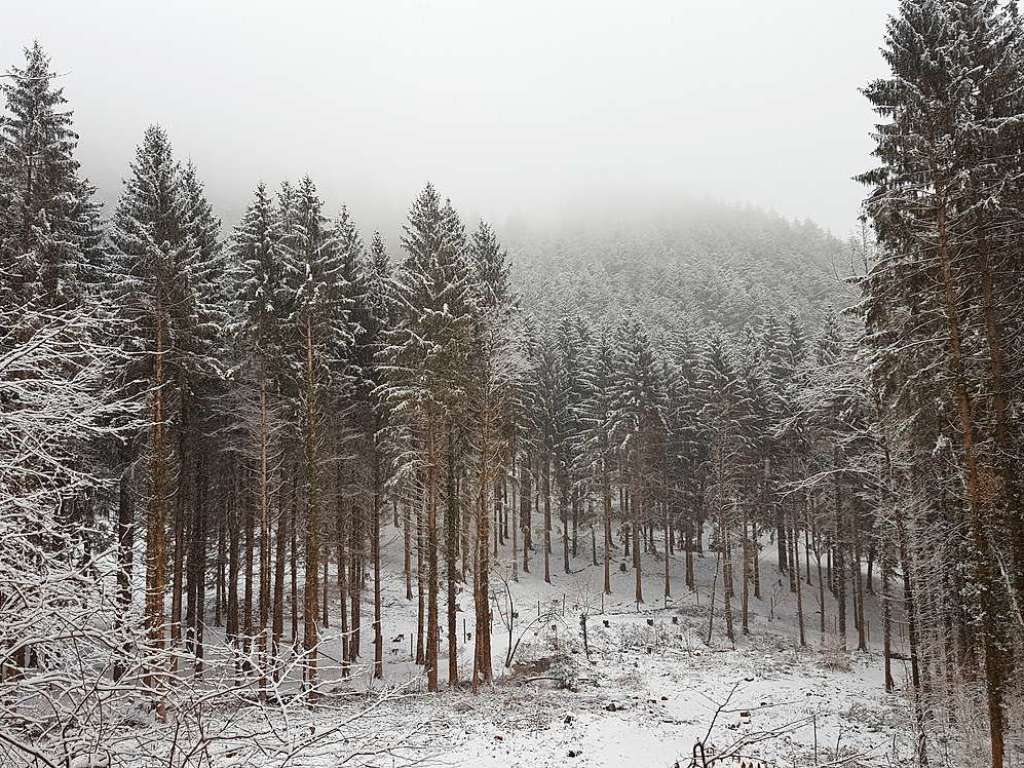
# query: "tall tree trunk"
[[156, 517], [264, 606], [482, 649], [563, 508], [745, 595], [547, 518], [293, 548], [433, 461], [279, 563], [606, 497], [378, 637], [725, 547], [247, 623], [525, 510], [355, 581], [668, 552], [990, 626], [840, 545], [887, 617], [514, 510], [407, 546], [221, 575], [199, 560], [1012, 490], [421, 571], [451, 529], [575, 519], [756, 554], [799, 584], [231, 622], [858, 586], [312, 570], [180, 525], [638, 508], [125, 552], [342, 534], [691, 582]]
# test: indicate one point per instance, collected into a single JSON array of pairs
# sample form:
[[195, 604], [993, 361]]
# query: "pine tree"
[[597, 409], [378, 301], [638, 424], [490, 388], [320, 326], [936, 212], [49, 224], [425, 358], [150, 258], [261, 308]]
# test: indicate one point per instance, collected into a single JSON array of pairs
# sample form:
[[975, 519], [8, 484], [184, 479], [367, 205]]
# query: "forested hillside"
[[273, 495], [694, 264]]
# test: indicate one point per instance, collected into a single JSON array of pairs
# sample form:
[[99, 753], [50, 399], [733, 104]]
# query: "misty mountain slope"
[[699, 265]]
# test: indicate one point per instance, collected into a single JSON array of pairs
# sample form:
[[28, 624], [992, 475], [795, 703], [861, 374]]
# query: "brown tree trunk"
[[378, 637], [525, 511], [638, 508], [264, 605], [312, 570], [840, 563], [606, 497], [547, 518], [355, 581], [156, 520], [279, 563], [432, 546], [979, 523], [231, 621], [452, 528], [407, 546], [799, 585], [421, 571], [125, 552]]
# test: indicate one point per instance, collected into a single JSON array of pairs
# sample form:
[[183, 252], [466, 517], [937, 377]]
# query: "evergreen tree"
[[49, 223], [638, 423], [320, 326], [425, 358], [261, 309], [596, 413]]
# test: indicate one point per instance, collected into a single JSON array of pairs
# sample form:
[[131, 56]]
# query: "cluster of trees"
[[679, 266], [256, 404], [250, 412], [943, 327]]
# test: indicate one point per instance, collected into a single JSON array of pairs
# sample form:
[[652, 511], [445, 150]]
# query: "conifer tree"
[[596, 421], [320, 325], [638, 424], [150, 258], [936, 212], [261, 308], [425, 357], [490, 384], [49, 223]]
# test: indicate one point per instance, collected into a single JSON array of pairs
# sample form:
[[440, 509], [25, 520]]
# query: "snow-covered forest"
[[682, 487]]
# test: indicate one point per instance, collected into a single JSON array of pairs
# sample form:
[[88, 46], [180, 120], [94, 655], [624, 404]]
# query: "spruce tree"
[[49, 223], [261, 307], [425, 361], [322, 336], [638, 425]]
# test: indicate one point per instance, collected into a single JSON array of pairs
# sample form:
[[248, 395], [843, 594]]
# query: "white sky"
[[512, 107]]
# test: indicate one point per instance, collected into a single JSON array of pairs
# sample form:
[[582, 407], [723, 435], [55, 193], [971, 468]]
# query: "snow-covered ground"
[[651, 687]]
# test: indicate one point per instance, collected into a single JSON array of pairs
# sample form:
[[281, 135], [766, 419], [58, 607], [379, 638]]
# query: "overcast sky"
[[522, 108]]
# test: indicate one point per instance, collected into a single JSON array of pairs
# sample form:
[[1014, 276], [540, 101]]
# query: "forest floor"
[[651, 686]]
